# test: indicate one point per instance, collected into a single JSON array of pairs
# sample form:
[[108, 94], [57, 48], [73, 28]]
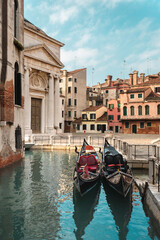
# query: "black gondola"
[[84, 208], [87, 171], [115, 170], [122, 212]]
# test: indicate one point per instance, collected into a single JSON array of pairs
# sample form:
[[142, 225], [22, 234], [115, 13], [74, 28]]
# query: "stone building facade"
[[11, 81], [73, 87], [140, 111], [113, 113], [93, 120], [42, 105]]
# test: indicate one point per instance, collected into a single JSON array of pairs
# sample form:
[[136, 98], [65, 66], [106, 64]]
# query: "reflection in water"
[[84, 208], [121, 209], [37, 201], [42, 210]]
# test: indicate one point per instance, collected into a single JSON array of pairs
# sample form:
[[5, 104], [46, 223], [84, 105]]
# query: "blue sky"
[[108, 37]]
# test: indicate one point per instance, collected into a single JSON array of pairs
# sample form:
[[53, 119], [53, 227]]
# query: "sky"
[[108, 37]]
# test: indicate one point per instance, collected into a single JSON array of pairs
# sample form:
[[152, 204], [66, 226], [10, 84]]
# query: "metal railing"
[[154, 171]]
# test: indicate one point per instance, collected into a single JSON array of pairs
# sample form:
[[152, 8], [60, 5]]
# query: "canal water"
[[38, 202]]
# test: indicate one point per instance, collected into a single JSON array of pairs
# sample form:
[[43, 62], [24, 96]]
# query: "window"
[[132, 96], [60, 80], [69, 89], [157, 89], [121, 91], [132, 111], [69, 123], [149, 124], [69, 102], [60, 125], [84, 116], [69, 114], [111, 106], [78, 127], [111, 128], [98, 127], [17, 85], [110, 117], [158, 109], [75, 80], [75, 114], [60, 90], [142, 125], [139, 95], [146, 110], [75, 89], [92, 127], [106, 91], [69, 79], [125, 111], [118, 117], [62, 101], [106, 101], [139, 110], [84, 127], [15, 18], [92, 116], [75, 102], [62, 114], [126, 124]]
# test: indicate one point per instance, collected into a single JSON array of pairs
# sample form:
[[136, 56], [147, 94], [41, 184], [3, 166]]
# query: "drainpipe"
[[4, 54], [4, 40]]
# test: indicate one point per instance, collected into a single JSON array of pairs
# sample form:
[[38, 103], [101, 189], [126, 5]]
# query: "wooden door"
[[36, 115], [134, 128]]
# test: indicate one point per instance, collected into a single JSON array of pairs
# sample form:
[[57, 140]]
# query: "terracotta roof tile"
[[134, 90], [75, 71], [152, 81], [103, 118], [92, 108], [153, 97]]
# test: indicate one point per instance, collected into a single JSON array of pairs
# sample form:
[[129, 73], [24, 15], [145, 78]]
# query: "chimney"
[[131, 79], [109, 79], [135, 77], [142, 75], [65, 73]]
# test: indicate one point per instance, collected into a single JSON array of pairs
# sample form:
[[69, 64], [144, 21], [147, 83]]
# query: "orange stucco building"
[[140, 110]]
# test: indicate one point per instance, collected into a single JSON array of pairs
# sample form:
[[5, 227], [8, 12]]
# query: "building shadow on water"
[[84, 209], [121, 209]]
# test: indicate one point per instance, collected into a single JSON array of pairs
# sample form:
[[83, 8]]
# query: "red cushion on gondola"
[[82, 160], [92, 160], [111, 165], [92, 168]]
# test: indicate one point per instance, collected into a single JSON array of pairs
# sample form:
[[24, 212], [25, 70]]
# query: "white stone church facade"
[[42, 65]]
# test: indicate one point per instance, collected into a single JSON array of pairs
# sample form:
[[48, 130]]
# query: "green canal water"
[[38, 202]]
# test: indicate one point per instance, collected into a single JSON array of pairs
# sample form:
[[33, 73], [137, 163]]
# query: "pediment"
[[42, 53]]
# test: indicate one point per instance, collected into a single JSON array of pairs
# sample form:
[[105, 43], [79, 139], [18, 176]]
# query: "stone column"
[[56, 103], [27, 102], [50, 117]]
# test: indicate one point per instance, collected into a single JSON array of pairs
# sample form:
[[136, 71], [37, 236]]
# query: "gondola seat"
[[82, 162], [114, 162], [92, 163]]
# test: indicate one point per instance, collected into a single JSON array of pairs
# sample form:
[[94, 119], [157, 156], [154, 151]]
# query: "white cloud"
[[62, 15], [114, 3], [80, 57], [83, 40]]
